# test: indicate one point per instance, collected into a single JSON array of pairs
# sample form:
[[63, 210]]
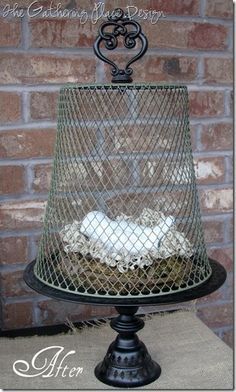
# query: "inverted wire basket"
[[122, 224], [123, 215]]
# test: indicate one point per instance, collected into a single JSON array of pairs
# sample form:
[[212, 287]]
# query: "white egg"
[[124, 236]]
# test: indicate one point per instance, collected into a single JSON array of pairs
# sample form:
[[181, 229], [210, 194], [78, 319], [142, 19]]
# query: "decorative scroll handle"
[[120, 23]]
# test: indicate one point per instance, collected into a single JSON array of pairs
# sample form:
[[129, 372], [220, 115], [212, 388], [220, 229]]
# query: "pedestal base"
[[127, 363]]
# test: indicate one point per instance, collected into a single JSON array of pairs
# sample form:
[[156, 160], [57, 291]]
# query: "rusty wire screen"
[[123, 216]]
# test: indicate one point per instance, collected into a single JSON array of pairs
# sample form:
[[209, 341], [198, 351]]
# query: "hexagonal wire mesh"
[[123, 216]]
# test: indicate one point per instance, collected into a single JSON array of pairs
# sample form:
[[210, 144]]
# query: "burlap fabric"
[[190, 355]]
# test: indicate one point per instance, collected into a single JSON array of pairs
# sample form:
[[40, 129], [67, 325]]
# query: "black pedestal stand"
[[127, 362]]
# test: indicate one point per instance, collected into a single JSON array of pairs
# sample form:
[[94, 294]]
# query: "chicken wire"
[[123, 215]]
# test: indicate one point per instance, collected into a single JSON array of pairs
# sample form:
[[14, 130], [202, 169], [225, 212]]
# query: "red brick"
[[138, 138], [128, 139], [102, 175], [42, 178], [13, 284], [76, 207], [62, 33], [213, 230], [229, 287], [170, 34], [166, 68], [154, 171], [217, 316], [57, 312], [193, 134], [176, 203], [174, 7], [160, 68], [167, 34], [206, 103], [87, 5], [35, 241], [219, 8], [13, 250], [108, 5], [8, 5], [98, 104], [209, 170], [218, 70], [98, 175], [27, 143], [10, 32], [228, 337], [224, 293], [216, 200], [29, 214], [45, 4], [12, 179], [224, 256], [156, 102], [217, 137], [151, 172], [17, 315], [208, 36], [21, 214], [102, 311], [211, 298], [43, 105], [26, 68], [10, 105]]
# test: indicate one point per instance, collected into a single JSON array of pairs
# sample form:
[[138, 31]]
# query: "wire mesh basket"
[[123, 215]]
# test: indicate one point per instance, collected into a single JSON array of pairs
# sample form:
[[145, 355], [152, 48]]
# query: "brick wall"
[[191, 45]]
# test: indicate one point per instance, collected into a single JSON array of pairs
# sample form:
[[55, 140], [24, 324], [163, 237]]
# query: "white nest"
[[126, 243]]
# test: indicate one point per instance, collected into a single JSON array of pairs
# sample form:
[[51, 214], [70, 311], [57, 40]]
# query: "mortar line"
[[231, 39], [224, 328], [56, 87], [25, 32], [47, 124], [81, 51], [25, 161], [202, 8], [228, 168], [201, 19], [29, 177], [227, 99], [29, 126], [221, 246], [31, 247], [198, 132], [42, 197], [227, 238], [25, 107], [46, 160], [200, 70], [20, 233]]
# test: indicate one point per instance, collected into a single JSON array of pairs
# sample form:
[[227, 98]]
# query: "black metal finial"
[[120, 21]]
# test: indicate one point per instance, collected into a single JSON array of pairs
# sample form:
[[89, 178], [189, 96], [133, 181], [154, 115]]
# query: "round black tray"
[[216, 279]]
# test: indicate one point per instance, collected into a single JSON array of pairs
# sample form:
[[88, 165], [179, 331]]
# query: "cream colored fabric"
[[190, 355]]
